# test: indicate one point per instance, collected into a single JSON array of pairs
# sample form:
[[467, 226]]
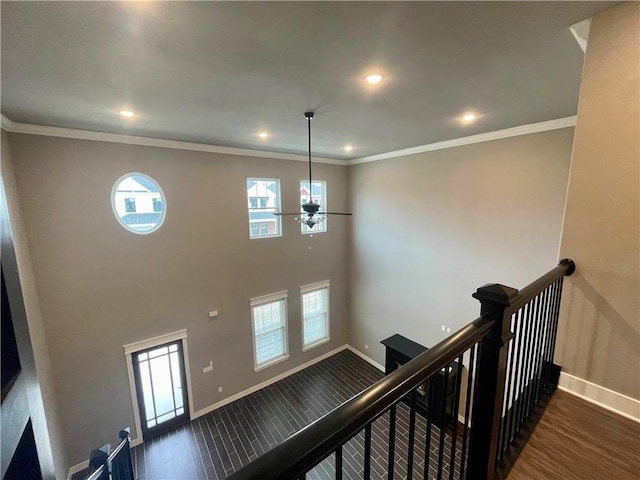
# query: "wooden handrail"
[[309, 446]]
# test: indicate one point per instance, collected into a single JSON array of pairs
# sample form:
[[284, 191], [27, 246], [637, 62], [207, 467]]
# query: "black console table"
[[399, 350]]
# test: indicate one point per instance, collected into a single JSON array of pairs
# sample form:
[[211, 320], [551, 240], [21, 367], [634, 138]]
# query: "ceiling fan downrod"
[[309, 116]]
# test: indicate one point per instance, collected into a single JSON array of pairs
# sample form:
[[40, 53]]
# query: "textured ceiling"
[[220, 72]]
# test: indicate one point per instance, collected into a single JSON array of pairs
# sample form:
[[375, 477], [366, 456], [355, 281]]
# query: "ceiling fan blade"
[[280, 214], [335, 213]]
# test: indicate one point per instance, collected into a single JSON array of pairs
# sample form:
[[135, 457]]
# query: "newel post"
[[495, 300]]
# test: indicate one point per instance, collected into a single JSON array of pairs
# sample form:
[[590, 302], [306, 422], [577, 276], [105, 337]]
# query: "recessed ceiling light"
[[373, 78], [127, 113], [469, 117], [348, 148], [263, 134]]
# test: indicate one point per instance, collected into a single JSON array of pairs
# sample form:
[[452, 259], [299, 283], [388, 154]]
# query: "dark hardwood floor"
[[220, 442], [576, 440]]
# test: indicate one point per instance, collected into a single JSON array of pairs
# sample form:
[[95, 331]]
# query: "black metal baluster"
[[542, 344], [554, 331], [527, 362], [506, 389], [427, 437], [367, 452], [392, 442], [443, 419], [533, 360], [506, 421], [467, 412], [547, 352], [412, 433], [554, 309], [456, 406], [338, 453], [517, 397]]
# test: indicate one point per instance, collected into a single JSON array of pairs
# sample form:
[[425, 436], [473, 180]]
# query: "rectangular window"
[[269, 321], [130, 205], [157, 204], [318, 193], [315, 314], [263, 199]]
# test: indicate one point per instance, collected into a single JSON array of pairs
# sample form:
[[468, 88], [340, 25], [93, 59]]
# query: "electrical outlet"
[[213, 314], [366, 347], [444, 328], [448, 329], [219, 389]]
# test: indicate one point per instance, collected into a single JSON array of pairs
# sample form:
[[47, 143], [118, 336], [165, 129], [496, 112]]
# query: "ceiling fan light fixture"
[[310, 214]]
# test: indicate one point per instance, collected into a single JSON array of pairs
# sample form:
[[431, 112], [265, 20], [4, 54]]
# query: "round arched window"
[[138, 203]]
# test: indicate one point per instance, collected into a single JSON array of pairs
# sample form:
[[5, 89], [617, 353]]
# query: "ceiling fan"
[[311, 214]]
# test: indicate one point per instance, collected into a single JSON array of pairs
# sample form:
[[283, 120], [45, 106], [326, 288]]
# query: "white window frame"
[[277, 219], [322, 226], [314, 287], [263, 300], [132, 348]]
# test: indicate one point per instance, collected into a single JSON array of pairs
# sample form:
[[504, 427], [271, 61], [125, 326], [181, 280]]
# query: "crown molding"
[[30, 129], [482, 137], [580, 32], [5, 123]]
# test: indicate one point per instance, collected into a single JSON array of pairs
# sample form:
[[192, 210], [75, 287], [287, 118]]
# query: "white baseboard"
[[77, 468], [601, 396], [381, 368], [266, 383], [365, 358], [137, 441]]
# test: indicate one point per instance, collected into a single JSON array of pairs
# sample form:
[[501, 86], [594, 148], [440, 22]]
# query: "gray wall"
[[32, 395], [430, 228], [599, 330], [102, 287]]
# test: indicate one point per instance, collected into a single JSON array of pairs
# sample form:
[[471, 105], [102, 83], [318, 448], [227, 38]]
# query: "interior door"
[[161, 388]]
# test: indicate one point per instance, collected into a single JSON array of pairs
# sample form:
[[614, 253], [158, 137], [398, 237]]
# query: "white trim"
[[272, 361], [266, 383], [313, 345], [272, 297], [155, 341], [580, 32], [6, 124], [30, 129], [482, 137], [315, 286], [129, 228], [263, 300], [276, 219], [150, 343], [84, 465], [48, 131], [77, 468], [381, 368], [366, 358], [608, 399]]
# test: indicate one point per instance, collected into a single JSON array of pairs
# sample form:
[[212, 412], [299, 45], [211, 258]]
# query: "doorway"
[[161, 388]]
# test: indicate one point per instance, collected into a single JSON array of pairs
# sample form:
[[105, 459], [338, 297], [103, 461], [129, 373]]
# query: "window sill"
[[258, 237], [316, 344], [270, 363]]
